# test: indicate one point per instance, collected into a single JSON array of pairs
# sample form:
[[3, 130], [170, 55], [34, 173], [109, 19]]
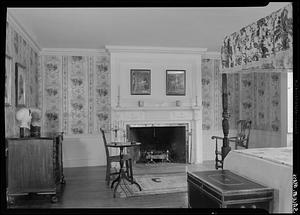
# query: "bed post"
[[225, 125]]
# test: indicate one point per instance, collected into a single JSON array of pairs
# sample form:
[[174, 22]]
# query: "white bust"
[[24, 117]]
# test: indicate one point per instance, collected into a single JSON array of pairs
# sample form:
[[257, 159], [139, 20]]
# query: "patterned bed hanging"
[[263, 46]]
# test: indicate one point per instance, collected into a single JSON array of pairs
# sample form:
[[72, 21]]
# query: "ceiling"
[[94, 28]]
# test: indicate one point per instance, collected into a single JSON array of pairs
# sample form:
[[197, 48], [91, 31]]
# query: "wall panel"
[[21, 52]]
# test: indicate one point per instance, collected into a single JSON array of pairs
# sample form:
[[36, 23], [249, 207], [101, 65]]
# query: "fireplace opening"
[[159, 144]]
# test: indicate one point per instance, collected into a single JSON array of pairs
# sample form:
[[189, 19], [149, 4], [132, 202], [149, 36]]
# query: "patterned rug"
[[153, 184]]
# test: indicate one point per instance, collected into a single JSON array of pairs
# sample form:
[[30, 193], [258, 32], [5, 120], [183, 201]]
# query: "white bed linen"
[[271, 167]]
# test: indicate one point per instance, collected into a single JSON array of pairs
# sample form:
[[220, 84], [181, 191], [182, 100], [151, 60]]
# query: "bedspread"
[[272, 167]]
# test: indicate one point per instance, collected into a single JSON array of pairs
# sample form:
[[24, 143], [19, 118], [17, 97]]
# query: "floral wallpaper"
[[78, 94], [233, 90], [247, 96], [83, 85], [265, 44], [258, 96], [21, 52], [254, 96], [217, 95], [207, 98], [52, 93], [275, 102], [262, 104], [102, 91], [211, 94]]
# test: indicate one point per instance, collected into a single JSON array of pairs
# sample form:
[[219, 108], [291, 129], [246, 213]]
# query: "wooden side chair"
[[240, 140], [115, 158], [243, 133]]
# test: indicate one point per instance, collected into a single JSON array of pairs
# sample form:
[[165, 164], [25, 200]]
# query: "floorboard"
[[86, 188]]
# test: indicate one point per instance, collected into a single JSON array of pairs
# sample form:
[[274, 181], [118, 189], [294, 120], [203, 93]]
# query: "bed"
[[272, 167]]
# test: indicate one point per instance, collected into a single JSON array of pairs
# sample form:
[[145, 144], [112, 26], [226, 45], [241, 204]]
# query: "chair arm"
[[232, 139], [216, 137]]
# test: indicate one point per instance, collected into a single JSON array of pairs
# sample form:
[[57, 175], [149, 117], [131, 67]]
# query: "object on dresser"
[[35, 126], [24, 117]]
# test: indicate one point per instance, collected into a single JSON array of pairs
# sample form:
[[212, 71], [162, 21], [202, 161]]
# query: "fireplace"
[[160, 143], [182, 125]]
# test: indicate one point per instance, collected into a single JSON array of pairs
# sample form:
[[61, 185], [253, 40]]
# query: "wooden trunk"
[[34, 165], [224, 189]]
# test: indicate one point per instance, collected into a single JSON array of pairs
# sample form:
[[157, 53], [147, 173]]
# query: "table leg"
[[122, 175], [119, 178]]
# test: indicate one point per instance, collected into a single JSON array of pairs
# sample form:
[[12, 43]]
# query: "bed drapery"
[[263, 46]]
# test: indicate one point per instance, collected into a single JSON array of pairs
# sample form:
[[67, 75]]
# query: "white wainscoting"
[[258, 139], [86, 150]]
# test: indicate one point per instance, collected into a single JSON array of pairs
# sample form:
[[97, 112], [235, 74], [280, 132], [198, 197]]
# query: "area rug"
[[154, 184]]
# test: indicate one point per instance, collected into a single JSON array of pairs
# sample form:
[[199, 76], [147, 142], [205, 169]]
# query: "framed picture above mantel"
[[140, 81], [175, 82], [20, 85]]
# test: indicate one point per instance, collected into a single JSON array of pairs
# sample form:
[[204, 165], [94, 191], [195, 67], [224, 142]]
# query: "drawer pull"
[[253, 206]]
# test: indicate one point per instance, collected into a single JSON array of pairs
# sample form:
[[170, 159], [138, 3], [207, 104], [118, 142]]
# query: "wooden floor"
[[86, 188]]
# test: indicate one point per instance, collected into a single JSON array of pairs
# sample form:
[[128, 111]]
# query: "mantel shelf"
[[184, 108]]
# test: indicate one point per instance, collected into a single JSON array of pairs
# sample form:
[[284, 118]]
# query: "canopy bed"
[[265, 47]]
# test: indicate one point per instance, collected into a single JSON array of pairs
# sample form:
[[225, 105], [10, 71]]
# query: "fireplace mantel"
[[150, 116], [154, 108], [158, 108]]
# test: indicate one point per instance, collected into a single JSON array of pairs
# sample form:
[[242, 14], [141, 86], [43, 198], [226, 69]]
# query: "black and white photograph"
[[185, 108]]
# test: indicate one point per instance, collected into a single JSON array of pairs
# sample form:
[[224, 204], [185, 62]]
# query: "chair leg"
[[108, 167]]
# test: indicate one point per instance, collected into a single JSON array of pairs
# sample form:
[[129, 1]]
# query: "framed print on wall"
[[20, 85], [175, 82], [140, 81], [8, 71]]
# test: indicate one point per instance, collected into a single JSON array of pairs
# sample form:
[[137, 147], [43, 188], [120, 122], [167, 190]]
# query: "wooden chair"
[[115, 158], [240, 140], [243, 132]]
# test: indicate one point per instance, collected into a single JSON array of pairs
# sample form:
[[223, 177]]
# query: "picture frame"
[[175, 82], [140, 81], [20, 85], [8, 73]]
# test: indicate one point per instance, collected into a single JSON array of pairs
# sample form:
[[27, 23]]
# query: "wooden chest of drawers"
[[33, 165], [224, 189]]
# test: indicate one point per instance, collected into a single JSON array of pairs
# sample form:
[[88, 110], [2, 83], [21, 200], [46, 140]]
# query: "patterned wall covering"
[[211, 94], [247, 96], [21, 52], [254, 96], [262, 101], [52, 93], [259, 100], [82, 102], [102, 92], [78, 94], [233, 89], [265, 44], [275, 102]]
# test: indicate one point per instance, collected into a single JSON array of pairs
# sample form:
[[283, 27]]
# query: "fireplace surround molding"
[[190, 117]]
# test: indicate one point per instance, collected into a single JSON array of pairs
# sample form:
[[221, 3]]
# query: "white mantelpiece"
[[158, 107], [151, 116]]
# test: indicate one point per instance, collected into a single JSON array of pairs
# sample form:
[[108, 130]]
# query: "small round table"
[[122, 175]]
